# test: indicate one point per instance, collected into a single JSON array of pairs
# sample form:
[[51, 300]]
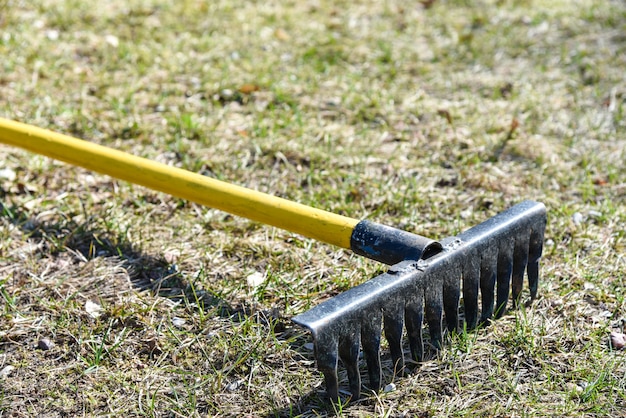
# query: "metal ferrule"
[[390, 245]]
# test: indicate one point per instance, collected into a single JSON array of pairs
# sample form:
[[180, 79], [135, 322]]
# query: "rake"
[[424, 281]]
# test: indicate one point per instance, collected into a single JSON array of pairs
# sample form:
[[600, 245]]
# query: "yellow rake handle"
[[310, 222]]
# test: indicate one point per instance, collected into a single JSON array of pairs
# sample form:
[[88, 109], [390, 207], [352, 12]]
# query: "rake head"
[[488, 259]]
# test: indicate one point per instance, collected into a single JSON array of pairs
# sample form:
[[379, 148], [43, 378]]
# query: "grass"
[[431, 119]]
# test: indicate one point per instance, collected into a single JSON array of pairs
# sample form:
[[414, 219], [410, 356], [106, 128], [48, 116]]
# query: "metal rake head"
[[488, 259]]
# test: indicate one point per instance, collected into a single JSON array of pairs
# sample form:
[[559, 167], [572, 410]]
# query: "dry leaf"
[[249, 88], [514, 125], [445, 114], [281, 34], [427, 4]]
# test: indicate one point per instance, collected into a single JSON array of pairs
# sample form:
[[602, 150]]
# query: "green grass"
[[428, 119]]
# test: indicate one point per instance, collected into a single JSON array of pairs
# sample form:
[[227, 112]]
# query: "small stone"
[[595, 214], [4, 373], [93, 309], [465, 214], [7, 174], [577, 218], [227, 94], [45, 344], [589, 286], [309, 346], [390, 387], [255, 279], [112, 40], [573, 387], [52, 34], [232, 386], [178, 322]]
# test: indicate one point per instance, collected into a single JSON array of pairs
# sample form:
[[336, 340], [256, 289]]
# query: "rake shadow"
[[146, 272]]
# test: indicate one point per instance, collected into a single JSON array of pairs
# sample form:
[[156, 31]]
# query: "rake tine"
[[452, 294], [488, 266], [414, 318], [433, 307], [349, 355], [370, 339], [535, 250], [504, 271], [471, 285], [520, 261], [393, 323], [326, 354]]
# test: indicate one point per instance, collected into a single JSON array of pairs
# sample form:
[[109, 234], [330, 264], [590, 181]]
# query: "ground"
[[428, 116]]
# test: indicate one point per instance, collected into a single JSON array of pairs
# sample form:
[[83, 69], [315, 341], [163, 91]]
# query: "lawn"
[[116, 300]]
